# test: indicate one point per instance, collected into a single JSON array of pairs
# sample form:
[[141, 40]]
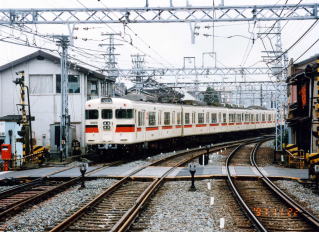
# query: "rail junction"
[[88, 143]]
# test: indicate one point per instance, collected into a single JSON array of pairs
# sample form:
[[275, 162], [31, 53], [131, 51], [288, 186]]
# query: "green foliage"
[[211, 97]]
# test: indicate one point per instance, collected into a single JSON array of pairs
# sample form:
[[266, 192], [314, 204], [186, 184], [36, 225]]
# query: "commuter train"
[[124, 124]]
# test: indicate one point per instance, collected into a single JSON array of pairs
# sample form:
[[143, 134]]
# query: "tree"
[[211, 97]]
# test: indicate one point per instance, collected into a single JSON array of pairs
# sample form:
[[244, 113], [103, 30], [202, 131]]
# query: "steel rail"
[[17, 206], [241, 201], [283, 196], [21, 187], [128, 218]]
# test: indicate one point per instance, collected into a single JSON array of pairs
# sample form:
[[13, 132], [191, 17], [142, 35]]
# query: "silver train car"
[[121, 123]]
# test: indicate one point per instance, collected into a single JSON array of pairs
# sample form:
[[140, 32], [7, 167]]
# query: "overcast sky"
[[165, 45]]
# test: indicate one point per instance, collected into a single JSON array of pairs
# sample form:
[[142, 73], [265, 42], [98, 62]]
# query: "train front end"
[[109, 123]]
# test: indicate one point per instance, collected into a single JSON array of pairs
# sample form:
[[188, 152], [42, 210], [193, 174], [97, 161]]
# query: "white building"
[[42, 75]]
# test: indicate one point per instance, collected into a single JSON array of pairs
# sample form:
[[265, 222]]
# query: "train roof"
[[127, 102]]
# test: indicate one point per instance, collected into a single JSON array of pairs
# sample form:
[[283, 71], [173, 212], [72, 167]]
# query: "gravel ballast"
[[54, 210], [303, 195], [174, 208]]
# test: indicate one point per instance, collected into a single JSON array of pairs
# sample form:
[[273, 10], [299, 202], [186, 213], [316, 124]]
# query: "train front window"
[[107, 114], [91, 114], [124, 114]]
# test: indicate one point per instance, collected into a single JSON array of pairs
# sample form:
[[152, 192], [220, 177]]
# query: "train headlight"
[[106, 123], [106, 127]]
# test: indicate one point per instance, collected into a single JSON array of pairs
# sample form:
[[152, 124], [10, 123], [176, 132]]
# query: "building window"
[[92, 88], [167, 120], [41, 84], [107, 114], [74, 83], [200, 117], [187, 121]]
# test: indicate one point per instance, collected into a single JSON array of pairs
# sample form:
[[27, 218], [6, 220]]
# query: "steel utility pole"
[[111, 70], [138, 62], [63, 41]]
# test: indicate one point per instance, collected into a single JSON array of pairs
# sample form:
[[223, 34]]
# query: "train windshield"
[[124, 113], [91, 114], [107, 114]]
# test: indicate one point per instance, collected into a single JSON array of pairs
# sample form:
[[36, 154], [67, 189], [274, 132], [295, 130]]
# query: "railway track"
[[17, 198], [268, 208], [116, 208]]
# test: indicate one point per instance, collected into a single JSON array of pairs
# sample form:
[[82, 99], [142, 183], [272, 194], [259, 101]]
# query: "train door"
[[140, 129], [107, 124]]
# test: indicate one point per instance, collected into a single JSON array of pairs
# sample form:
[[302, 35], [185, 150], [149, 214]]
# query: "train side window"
[[219, 117], [91, 114], [200, 118], [178, 118], [247, 118], [231, 117], [107, 114], [213, 118], [207, 117], [238, 118], [224, 118], [263, 117], [167, 119], [124, 113], [152, 118], [140, 121], [173, 118], [193, 118], [187, 121]]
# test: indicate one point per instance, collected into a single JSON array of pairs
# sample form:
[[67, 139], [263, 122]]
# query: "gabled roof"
[[44, 55]]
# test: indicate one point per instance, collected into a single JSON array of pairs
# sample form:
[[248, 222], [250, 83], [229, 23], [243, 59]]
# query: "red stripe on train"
[[138, 129], [188, 126], [214, 124], [167, 127], [200, 125], [178, 126], [151, 128], [125, 129], [91, 129]]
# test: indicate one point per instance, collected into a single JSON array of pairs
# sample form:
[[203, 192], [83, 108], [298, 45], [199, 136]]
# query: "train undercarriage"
[[140, 150]]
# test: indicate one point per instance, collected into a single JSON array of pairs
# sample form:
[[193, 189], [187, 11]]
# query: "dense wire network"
[[31, 37]]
